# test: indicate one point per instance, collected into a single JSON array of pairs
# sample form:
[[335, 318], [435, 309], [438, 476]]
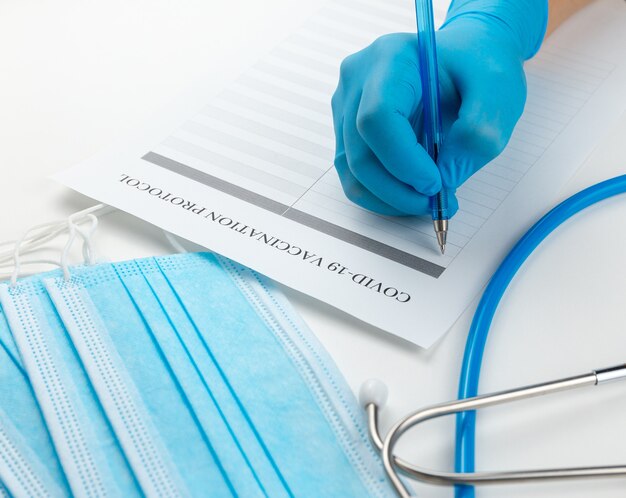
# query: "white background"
[[75, 75]]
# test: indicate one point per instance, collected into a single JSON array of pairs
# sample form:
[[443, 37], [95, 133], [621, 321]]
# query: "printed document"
[[250, 173]]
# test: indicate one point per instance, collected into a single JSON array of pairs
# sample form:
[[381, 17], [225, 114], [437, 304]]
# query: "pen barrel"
[[439, 201], [429, 76], [439, 206]]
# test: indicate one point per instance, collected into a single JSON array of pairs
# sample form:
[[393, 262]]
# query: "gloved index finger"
[[383, 122]]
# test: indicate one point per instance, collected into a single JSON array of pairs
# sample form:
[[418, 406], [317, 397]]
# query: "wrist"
[[522, 23]]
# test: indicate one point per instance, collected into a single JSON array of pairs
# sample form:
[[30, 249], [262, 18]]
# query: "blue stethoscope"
[[374, 393]]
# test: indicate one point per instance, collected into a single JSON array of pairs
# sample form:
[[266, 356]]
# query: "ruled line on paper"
[[271, 133]]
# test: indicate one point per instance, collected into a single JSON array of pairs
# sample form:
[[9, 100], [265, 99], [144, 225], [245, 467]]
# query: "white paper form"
[[250, 176]]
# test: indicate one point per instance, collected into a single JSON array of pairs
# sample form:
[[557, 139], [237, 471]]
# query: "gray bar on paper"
[[295, 77], [265, 153], [371, 245], [363, 25], [292, 118], [267, 131], [214, 182], [308, 62], [285, 95], [315, 45], [228, 164], [336, 231], [321, 28], [382, 13]]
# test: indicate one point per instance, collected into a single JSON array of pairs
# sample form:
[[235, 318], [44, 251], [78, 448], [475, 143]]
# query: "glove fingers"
[[354, 191], [370, 172], [388, 133], [358, 194]]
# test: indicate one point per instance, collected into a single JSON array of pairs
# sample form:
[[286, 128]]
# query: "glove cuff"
[[526, 20]]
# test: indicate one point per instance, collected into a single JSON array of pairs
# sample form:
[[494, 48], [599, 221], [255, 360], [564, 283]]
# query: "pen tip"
[[441, 240]]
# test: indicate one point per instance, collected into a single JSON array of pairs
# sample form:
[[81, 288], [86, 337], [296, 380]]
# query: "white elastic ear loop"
[[87, 236], [88, 252], [53, 229], [32, 243], [4, 276], [16, 250], [65, 255]]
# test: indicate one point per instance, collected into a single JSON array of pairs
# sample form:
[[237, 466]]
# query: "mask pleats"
[[24, 440], [172, 376], [270, 392], [92, 461], [317, 370], [20, 468], [8, 344], [115, 389], [199, 395], [249, 445]]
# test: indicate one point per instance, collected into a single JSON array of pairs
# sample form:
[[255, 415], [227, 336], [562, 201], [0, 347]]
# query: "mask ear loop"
[[31, 243], [89, 256], [52, 229], [29, 262], [65, 255], [88, 252], [18, 245]]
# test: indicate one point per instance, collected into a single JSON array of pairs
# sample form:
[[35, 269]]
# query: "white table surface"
[[74, 75]]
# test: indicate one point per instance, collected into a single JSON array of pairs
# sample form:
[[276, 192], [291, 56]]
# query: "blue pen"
[[427, 54]]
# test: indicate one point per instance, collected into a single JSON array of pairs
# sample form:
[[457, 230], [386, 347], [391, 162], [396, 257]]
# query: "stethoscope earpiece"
[[373, 391]]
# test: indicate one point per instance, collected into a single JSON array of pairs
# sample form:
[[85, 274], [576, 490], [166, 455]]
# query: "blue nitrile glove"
[[377, 105]]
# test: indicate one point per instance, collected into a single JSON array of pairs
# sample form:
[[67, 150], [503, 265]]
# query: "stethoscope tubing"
[[465, 443]]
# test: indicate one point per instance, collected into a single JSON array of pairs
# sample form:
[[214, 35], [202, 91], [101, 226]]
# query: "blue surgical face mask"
[[209, 382], [92, 461], [28, 463]]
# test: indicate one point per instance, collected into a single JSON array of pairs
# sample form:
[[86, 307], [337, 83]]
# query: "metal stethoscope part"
[[373, 396]]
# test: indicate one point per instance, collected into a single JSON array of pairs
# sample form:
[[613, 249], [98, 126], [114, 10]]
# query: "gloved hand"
[[377, 105]]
